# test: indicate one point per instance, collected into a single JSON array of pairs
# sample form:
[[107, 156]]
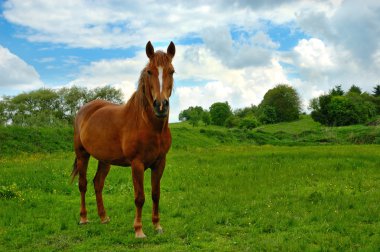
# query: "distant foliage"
[[232, 121], [48, 107], [353, 107], [376, 91], [355, 89], [280, 104], [194, 115], [219, 113], [249, 123], [337, 90]]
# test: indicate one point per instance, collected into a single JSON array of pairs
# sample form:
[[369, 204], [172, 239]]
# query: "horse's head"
[[160, 78]]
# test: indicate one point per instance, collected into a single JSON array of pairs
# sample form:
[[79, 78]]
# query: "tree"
[[3, 113], [339, 110], [285, 101], [192, 114], [48, 107], [206, 118], [219, 113], [247, 111], [376, 91], [267, 114], [355, 89], [337, 90], [195, 116]]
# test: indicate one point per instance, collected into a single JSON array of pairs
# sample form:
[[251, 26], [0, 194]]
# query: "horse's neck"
[[138, 108]]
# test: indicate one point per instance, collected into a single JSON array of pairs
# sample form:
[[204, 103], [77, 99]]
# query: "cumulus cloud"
[[255, 50], [118, 73], [16, 73], [340, 45]]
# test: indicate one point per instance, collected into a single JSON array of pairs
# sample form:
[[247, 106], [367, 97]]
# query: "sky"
[[226, 50]]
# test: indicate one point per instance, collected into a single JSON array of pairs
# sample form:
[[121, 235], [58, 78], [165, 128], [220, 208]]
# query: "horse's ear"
[[171, 49], [149, 50]]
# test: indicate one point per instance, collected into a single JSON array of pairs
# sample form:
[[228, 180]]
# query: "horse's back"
[[88, 109], [91, 120]]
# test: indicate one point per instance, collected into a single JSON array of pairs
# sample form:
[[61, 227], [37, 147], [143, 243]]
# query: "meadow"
[[219, 193]]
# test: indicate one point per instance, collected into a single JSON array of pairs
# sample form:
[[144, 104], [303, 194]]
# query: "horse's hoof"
[[106, 220], [159, 231], [83, 221], [140, 235]]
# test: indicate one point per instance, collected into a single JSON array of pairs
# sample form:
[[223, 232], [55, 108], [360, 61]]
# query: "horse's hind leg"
[[99, 178], [82, 163]]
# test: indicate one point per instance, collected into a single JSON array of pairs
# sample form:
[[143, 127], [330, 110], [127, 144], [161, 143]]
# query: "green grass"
[[305, 123], [220, 198], [18, 140]]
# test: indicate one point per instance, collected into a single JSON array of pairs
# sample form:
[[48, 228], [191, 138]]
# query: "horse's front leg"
[[138, 184], [157, 172]]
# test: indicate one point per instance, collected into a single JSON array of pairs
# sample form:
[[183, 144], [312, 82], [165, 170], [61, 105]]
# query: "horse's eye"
[[149, 72]]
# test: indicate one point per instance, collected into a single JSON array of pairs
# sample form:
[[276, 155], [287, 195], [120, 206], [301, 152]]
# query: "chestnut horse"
[[135, 134]]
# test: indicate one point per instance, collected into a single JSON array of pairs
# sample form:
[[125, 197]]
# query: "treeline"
[[49, 107], [282, 104], [339, 108]]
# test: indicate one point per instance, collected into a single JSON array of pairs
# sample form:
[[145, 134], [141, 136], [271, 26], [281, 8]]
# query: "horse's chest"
[[148, 147]]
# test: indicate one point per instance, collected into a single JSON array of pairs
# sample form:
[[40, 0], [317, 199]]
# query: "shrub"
[[249, 123], [232, 121]]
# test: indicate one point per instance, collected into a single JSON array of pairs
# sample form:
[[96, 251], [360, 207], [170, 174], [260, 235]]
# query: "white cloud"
[[119, 73], [16, 73], [341, 46], [115, 24]]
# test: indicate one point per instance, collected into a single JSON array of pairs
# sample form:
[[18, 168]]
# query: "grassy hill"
[[15, 140], [222, 190]]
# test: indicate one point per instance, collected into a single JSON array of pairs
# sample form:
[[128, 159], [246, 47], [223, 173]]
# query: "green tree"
[[285, 101], [206, 118], [219, 113], [355, 89], [267, 114], [3, 112], [352, 108], [376, 91], [337, 91], [107, 93], [195, 117], [247, 111], [192, 114]]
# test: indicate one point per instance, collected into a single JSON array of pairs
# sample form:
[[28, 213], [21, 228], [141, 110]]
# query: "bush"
[[232, 121], [352, 108], [249, 123]]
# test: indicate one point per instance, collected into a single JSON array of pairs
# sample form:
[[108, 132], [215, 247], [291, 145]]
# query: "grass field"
[[215, 197]]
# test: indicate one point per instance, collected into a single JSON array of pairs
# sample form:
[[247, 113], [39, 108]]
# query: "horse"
[[134, 134]]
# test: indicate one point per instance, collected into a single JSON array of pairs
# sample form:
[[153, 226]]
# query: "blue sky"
[[226, 50]]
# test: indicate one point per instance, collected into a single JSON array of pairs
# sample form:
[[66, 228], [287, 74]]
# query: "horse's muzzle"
[[161, 108]]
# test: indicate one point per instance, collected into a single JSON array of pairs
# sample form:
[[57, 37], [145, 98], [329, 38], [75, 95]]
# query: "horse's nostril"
[[155, 103], [166, 102]]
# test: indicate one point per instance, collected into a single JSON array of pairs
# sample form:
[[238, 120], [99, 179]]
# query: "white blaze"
[[160, 77]]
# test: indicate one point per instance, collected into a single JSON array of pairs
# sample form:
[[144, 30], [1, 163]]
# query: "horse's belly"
[[104, 147]]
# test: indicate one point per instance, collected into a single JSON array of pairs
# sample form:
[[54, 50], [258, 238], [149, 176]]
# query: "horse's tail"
[[75, 171]]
